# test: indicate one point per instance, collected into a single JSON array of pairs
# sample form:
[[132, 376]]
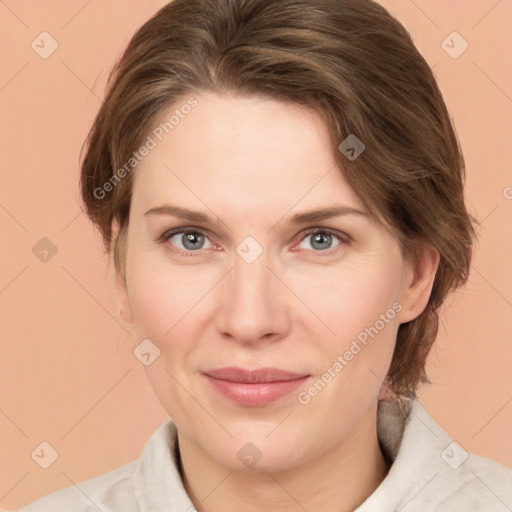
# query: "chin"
[[265, 461], [252, 452]]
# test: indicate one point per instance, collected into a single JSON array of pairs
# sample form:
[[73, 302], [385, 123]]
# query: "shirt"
[[429, 472]]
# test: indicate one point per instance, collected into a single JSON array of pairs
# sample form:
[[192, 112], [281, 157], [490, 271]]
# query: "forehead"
[[251, 151]]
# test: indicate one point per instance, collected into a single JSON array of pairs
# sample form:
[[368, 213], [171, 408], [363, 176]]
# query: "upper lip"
[[266, 374]]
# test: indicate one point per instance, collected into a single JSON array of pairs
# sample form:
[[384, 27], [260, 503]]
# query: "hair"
[[349, 61]]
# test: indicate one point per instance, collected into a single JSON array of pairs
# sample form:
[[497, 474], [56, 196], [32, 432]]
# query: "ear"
[[122, 297], [121, 287], [417, 284]]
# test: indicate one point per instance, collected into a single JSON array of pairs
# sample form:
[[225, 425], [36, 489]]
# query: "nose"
[[255, 303]]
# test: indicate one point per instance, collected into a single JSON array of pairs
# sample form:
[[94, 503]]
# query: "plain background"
[[67, 375]]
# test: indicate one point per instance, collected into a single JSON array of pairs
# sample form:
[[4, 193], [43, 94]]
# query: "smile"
[[254, 388]]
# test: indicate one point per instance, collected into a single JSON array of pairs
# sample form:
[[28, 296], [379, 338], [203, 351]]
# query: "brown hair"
[[350, 61]]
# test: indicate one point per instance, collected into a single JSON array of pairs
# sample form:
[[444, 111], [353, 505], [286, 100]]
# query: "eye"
[[322, 239], [191, 240]]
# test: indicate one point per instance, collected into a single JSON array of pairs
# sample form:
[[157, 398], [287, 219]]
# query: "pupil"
[[319, 236], [191, 238]]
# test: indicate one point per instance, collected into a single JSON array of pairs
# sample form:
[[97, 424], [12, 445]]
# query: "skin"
[[253, 162]]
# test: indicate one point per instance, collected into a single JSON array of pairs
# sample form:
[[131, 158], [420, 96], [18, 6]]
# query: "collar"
[[402, 427]]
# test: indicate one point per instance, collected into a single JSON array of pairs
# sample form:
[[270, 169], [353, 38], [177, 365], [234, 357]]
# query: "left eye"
[[322, 239]]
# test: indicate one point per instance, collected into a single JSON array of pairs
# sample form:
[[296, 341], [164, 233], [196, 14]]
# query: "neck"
[[337, 481]]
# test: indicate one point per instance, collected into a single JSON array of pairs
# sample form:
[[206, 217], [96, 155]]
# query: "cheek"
[[360, 305], [162, 303], [362, 310], [352, 298], [161, 298]]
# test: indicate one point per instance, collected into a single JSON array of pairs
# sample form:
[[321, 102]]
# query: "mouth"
[[254, 388]]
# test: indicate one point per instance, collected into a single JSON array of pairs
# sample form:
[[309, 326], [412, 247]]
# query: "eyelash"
[[344, 239]]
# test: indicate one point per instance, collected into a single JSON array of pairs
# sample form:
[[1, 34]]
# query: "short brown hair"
[[352, 63]]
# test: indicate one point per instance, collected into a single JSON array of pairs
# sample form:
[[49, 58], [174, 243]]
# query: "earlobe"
[[121, 286], [124, 302], [417, 285]]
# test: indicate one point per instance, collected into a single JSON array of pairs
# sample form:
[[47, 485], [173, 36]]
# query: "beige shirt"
[[429, 472]]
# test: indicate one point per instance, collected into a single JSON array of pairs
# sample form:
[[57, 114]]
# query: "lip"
[[256, 387]]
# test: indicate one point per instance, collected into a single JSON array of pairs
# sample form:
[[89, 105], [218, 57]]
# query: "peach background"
[[67, 374]]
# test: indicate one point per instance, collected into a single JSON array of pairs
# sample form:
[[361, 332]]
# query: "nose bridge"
[[251, 277], [254, 305]]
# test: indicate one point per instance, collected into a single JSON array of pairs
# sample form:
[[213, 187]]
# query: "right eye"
[[191, 239]]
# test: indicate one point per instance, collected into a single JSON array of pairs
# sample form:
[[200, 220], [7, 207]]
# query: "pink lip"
[[254, 387]]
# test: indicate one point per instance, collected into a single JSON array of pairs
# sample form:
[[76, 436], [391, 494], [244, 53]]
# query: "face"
[[250, 282]]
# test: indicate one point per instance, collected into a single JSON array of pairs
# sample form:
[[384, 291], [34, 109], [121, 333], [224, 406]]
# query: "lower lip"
[[255, 395]]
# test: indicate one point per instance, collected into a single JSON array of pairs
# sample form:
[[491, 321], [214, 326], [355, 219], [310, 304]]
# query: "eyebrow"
[[306, 217]]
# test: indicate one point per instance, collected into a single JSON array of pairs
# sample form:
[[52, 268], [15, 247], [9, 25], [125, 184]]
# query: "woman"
[[281, 189]]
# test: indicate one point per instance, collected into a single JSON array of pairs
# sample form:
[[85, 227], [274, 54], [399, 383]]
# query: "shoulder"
[[471, 482], [458, 480], [432, 472], [108, 492], [141, 484], [451, 478]]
